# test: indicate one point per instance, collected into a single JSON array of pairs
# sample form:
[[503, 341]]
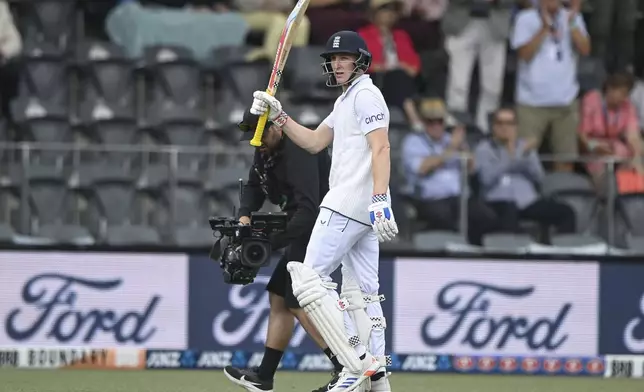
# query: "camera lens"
[[254, 253]]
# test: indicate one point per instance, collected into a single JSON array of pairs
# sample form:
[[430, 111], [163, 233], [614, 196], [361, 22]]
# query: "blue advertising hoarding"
[[235, 317], [621, 306]]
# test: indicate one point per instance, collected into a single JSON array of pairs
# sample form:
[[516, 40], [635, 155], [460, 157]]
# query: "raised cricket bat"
[[283, 49]]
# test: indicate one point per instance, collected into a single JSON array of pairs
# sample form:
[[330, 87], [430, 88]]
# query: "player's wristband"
[[379, 198], [281, 119]]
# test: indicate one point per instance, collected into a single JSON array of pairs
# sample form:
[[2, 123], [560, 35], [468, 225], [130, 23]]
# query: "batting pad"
[[324, 313], [358, 312]]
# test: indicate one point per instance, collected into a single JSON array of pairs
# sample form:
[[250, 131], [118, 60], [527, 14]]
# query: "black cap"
[[248, 125]]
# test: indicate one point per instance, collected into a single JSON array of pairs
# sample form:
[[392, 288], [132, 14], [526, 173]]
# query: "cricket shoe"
[[248, 379], [380, 381], [350, 381]]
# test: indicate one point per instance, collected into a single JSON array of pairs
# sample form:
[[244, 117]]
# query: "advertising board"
[[522, 308], [93, 300]]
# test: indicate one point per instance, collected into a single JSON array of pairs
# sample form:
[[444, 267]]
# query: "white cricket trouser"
[[337, 239], [476, 40]]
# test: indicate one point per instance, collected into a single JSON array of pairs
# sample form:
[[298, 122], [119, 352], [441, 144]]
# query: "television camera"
[[242, 250]]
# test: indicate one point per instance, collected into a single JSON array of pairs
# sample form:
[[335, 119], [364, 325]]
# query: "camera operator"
[[290, 177]]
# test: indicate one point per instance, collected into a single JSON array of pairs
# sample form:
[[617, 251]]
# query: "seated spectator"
[[269, 17], [476, 30], [330, 16], [548, 40], [10, 47], [637, 99], [609, 126], [395, 64], [433, 174], [509, 172]]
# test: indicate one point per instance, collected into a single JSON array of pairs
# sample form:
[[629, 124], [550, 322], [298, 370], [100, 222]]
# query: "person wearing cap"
[[395, 63], [432, 165], [288, 176]]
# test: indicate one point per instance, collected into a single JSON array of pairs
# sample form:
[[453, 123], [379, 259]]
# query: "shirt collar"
[[358, 80]]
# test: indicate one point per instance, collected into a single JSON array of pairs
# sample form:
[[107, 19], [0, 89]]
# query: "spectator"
[[509, 171], [10, 47], [269, 17], [430, 10], [477, 29], [548, 40], [612, 25], [609, 125], [433, 174], [395, 63], [637, 98], [329, 16]]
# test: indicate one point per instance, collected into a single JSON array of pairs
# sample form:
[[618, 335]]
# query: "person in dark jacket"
[[288, 176]]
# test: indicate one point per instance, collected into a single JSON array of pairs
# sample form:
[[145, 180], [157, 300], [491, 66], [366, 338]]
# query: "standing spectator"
[[395, 63], [609, 125], [509, 171], [426, 9], [433, 173], [612, 25], [548, 40], [10, 47], [269, 17], [476, 29], [330, 16]]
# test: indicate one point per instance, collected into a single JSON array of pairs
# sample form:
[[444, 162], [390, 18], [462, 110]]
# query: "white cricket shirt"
[[358, 111]]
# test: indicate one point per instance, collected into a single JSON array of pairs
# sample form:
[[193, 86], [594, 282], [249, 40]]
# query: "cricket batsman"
[[354, 216]]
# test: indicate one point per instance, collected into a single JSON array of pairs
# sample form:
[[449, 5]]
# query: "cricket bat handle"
[[256, 141]]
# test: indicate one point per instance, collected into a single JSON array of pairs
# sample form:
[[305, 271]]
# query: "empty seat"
[[50, 21], [437, 240], [176, 124], [228, 55], [304, 75], [112, 126], [586, 206], [631, 208], [575, 240], [636, 244], [174, 73], [245, 79], [52, 208], [121, 221], [513, 243], [556, 182], [107, 74], [188, 205], [44, 75]]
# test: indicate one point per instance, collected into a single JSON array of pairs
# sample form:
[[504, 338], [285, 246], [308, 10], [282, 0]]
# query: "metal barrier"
[[23, 157]]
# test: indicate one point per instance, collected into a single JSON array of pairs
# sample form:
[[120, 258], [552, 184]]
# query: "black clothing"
[[546, 212], [297, 181]]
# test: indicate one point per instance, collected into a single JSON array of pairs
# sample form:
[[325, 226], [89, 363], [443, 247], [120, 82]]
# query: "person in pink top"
[[609, 125]]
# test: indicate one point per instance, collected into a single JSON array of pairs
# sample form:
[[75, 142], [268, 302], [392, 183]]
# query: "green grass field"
[[214, 381]]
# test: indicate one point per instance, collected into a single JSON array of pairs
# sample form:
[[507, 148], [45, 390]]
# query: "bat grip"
[[259, 130]]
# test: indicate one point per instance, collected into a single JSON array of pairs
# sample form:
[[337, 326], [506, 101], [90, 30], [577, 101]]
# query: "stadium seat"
[[44, 75], [176, 124], [107, 74], [636, 244], [174, 73], [513, 243], [222, 186], [118, 201], [50, 21], [575, 240], [52, 208], [437, 240], [556, 182], [244, 79], [188, 202], [631, 208], [304, 77], [222, 57]]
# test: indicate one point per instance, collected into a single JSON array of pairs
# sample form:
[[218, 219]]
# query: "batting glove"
[[264, 102], [382, 218]]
